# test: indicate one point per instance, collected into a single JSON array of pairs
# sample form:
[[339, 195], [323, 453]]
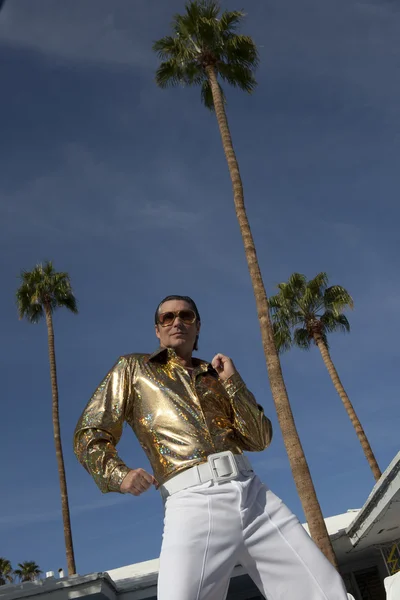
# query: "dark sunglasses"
[[186, 315]]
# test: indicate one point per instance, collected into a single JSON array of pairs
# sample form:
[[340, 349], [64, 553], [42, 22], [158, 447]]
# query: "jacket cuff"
[[117, 477], [233, 384]]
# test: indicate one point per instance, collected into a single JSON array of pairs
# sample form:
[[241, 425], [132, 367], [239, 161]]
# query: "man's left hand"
[[224, 366]]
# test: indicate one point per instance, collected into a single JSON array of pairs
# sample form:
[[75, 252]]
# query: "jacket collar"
[[163, 355]]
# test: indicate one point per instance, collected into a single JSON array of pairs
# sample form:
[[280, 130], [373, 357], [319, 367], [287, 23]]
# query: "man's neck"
[[185, 360]]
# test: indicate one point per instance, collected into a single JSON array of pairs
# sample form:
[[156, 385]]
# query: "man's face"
[[178, 335]]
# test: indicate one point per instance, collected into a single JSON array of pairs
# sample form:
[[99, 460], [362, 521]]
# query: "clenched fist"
[[136, 482], [224, 366]]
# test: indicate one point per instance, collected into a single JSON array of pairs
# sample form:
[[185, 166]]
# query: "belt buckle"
[[212, 458]]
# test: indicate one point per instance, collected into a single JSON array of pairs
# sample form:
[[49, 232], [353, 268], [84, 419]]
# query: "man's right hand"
[[136, 482]]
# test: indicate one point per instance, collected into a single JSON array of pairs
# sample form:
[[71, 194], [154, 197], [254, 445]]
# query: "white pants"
[[392, 587], [210, 528]]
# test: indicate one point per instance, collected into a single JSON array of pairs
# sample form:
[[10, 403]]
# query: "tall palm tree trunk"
[[69, 548], [297, 459], [369, 455]]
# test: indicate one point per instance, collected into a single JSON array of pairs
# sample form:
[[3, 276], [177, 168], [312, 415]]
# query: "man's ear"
[[156, 329]]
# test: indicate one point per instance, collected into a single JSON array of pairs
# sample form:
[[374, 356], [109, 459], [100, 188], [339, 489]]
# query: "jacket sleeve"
[[99, 428], [251, 425]]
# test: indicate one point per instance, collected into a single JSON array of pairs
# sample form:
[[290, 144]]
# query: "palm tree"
[[28, 571], [43, 290], [6, 571], [304, 313], [204, 49]]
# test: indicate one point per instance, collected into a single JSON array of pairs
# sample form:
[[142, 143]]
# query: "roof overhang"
[[378, 522], [140, 580], [96, 586]]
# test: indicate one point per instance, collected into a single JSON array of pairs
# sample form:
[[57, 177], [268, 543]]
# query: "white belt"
[[223, 466]]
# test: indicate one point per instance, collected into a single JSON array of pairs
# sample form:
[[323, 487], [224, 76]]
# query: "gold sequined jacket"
[[178, 416]]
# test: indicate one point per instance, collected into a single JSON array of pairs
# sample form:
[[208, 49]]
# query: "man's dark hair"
[[192, 305]]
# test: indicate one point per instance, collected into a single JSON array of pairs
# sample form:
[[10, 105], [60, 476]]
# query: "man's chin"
[[180, 342]]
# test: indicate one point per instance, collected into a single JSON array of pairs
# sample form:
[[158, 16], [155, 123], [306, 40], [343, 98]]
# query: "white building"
[[366, 543]]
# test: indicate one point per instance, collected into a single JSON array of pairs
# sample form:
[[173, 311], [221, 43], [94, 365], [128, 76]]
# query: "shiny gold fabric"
[[179, 417]]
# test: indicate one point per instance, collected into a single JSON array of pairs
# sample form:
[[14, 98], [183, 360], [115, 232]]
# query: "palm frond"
[[294, 287], [170, 74], [172, 48], [202, 39], [33, 312], [301, 338], [193, 74], [275, 301], [318, 285], [284, 309], [230, 20], [44, 288], [282, 337], [201, 9], [208, 35], [198, 14], [343, 323], [332, 322], [237, 76], [240, 49], [310, 295], [288, 300], [306, 302], [280, 309], [6, 571], [309, 308], [183, 27], [28, 571], [69, 301], [337, 298], [277, 304]]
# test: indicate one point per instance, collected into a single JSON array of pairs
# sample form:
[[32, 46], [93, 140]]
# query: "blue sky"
[[125, 186]]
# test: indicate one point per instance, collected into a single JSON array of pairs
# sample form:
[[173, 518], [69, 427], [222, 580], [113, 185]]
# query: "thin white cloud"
[[66, 202], [165, 215], [21, 519], [97, 31], [87, 199]]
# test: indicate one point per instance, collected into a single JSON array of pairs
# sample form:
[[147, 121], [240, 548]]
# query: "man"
[[194, 420]]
